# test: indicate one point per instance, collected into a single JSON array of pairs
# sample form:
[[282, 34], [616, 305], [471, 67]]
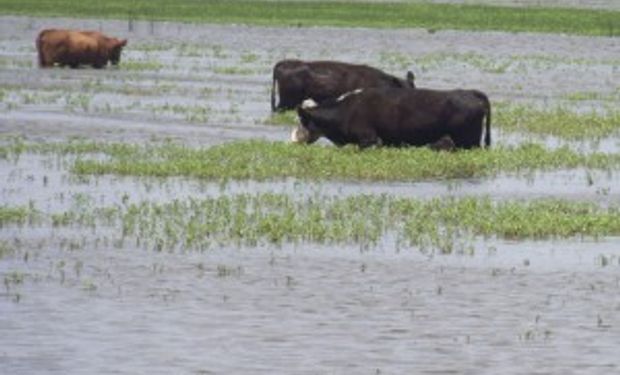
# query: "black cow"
[[397, 117], [296, 80]]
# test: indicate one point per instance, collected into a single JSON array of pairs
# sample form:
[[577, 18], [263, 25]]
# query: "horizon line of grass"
[[445, 223], [335, 13]]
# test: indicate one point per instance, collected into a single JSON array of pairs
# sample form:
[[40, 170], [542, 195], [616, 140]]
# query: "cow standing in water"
[[397, 117], [296, 80], [75, 48]]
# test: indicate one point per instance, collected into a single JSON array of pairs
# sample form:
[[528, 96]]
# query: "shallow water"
[[308, 310], [44, 180], [81, 300]]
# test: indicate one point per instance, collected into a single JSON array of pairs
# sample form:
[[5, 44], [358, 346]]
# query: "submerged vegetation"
[[447, 224], [335, 13]]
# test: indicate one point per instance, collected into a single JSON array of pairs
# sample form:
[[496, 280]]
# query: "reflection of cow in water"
[[74, 48], [397, 117], [296, 80]]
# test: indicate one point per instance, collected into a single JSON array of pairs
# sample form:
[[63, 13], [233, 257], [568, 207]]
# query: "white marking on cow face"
[[347, 94], [300, 135], [309, 104]]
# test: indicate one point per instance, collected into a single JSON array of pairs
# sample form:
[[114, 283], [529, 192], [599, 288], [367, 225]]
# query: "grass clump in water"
[[288, 118], [559, 122], [17, 215], [440, 223]]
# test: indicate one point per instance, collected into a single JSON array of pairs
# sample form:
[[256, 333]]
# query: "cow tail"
[[273, 92], [487, 132], [39, 45], [487, 104]]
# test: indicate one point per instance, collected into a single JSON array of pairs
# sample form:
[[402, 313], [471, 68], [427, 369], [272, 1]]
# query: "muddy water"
[[78, 300]]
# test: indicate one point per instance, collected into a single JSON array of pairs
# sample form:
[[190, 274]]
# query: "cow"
[[397, 117], [75, 48], [297, 80]]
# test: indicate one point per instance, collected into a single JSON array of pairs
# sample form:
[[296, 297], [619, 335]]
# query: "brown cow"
[[397, 117], [296, 80], [74, 48]]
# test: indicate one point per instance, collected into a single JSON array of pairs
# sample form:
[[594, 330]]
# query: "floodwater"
[[78, 300]]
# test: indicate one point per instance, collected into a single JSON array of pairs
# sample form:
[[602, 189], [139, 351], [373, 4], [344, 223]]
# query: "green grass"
[[142, 65], [447, 224], [558, 121], [234, 70], [334, 13], [282, 118], [261, 160], [16, 215], [593, 96]]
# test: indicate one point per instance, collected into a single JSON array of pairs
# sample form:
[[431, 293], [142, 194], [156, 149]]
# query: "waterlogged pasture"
[[261, 160], [155, 219]]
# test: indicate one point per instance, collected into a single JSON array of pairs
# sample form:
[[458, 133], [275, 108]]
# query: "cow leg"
[[368, 139]]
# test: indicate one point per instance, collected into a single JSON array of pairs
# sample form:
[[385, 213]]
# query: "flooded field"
[[84, 292]]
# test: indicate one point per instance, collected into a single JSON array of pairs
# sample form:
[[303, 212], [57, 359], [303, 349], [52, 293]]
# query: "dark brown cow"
[[296, 80], [397, 117], [74, 48]]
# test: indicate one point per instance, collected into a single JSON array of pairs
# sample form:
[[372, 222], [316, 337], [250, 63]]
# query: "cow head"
[[306, 131], [115, 47]]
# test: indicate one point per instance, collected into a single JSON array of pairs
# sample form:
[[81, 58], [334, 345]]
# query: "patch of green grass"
[[248, 58], [447, 224], [488, 64], [593, 95], [191, 113], [559, 122], [335, 13], [6, 250], [282, 118], [134, 65], [260, 160], [16, 215], [233, 70]]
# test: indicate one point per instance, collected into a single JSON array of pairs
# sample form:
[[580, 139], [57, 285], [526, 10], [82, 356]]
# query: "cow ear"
[[410, 78]]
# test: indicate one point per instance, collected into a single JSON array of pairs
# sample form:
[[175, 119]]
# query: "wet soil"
[[78, 300]]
